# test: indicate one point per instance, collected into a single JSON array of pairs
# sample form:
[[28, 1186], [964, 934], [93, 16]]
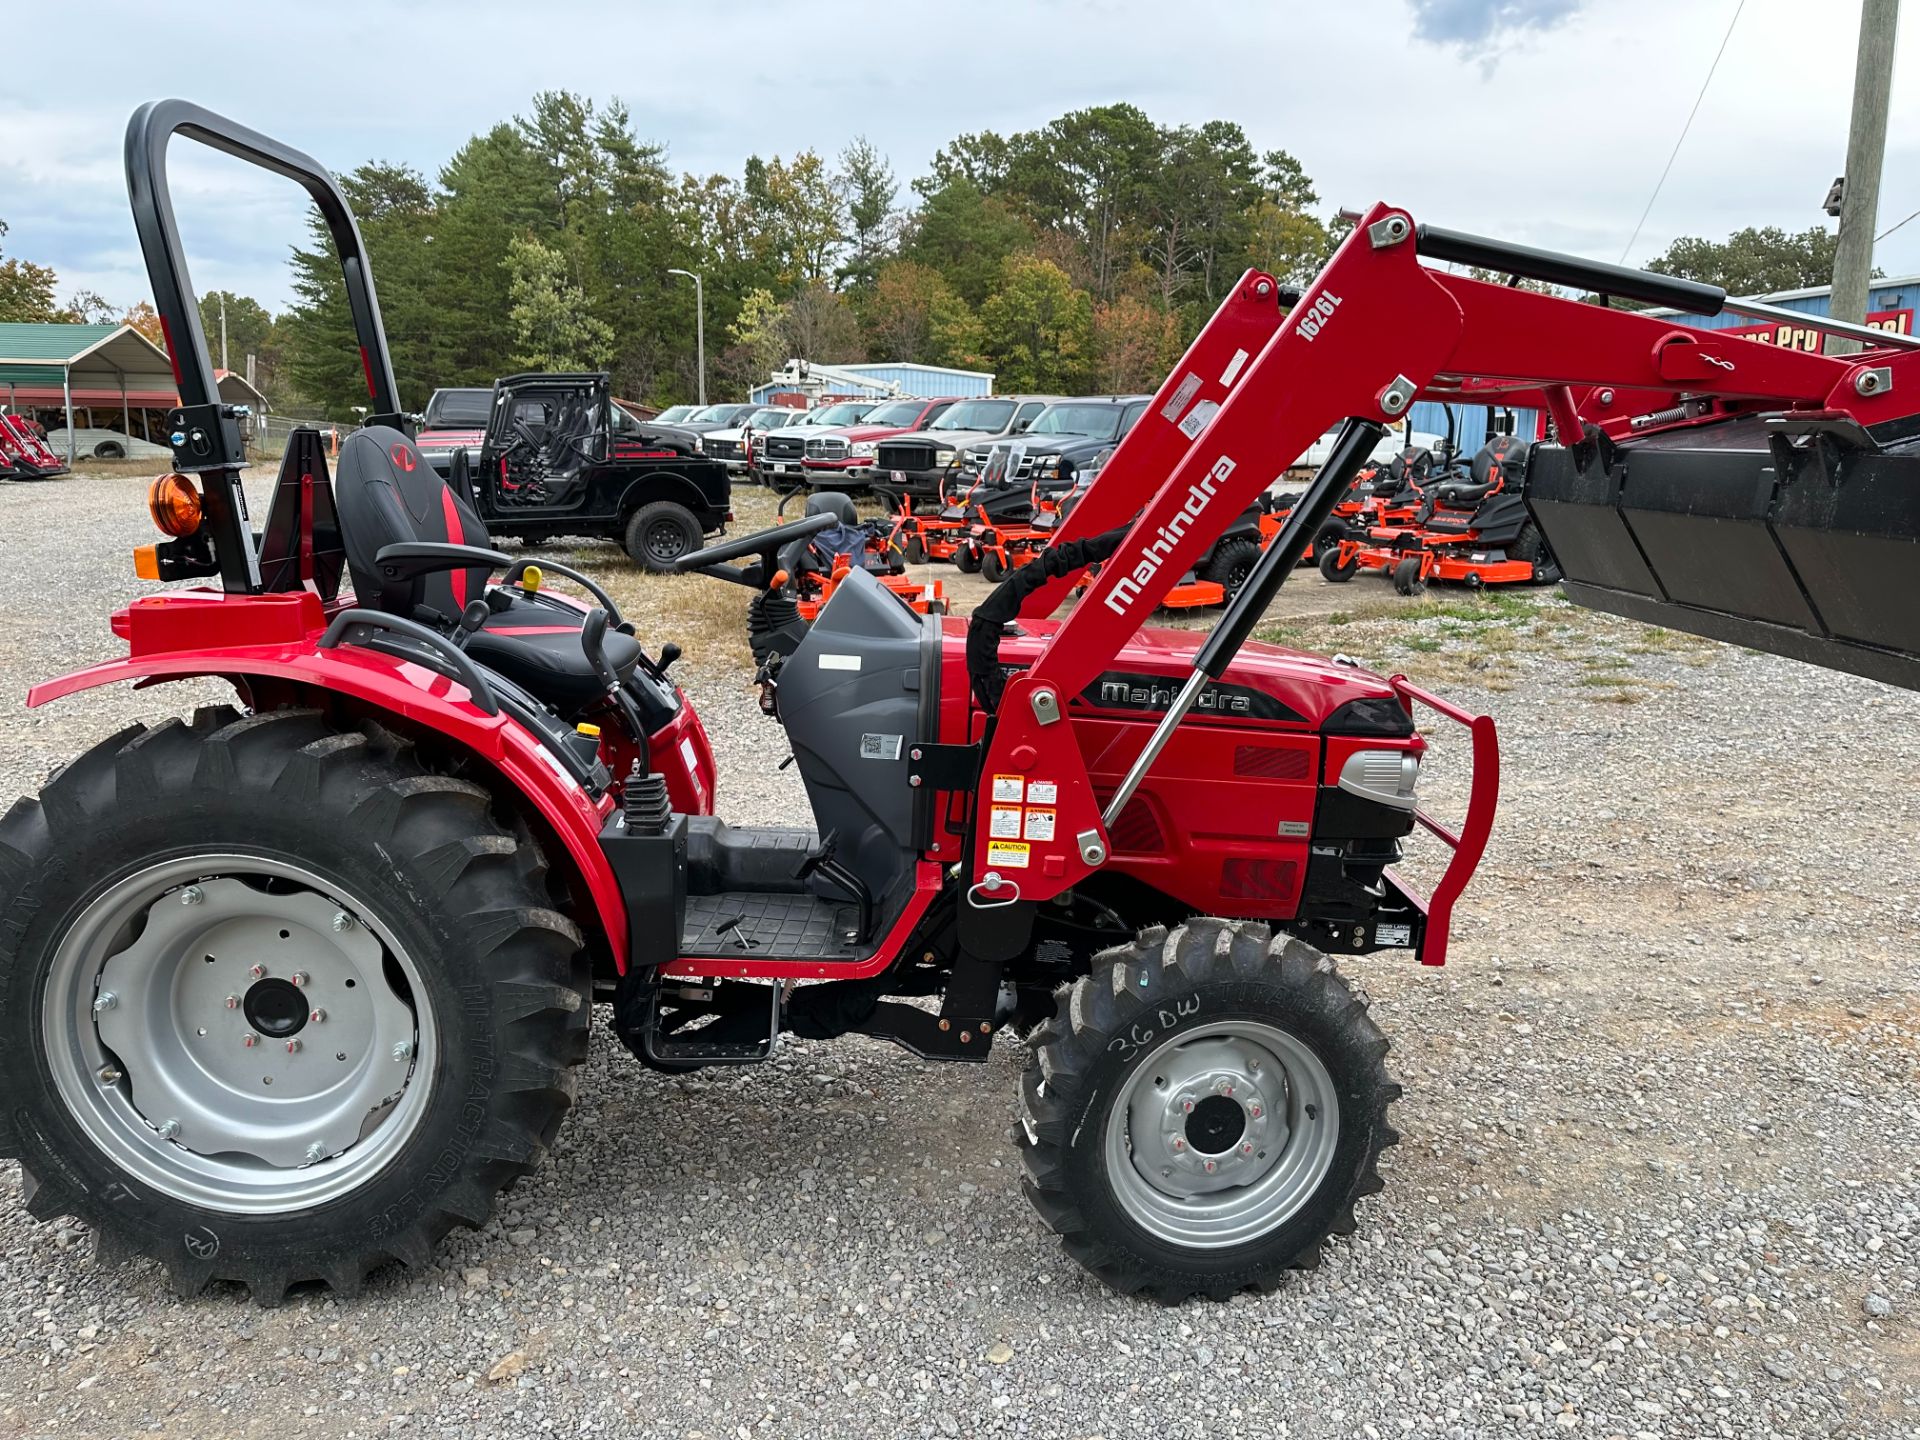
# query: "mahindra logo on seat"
[[404, 457], [1154, 553]]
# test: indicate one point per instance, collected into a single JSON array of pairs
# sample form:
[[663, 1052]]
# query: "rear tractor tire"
[[195, 913], [1231, 563], [1204, 1109]]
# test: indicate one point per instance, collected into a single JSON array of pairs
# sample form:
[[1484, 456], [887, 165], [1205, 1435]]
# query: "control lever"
[[472, 620], [669, 653], [593, 640]]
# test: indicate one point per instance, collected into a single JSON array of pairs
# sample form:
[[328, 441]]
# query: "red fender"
[[274, 636]]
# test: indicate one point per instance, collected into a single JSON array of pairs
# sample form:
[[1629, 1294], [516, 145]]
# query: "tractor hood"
[[1265, 684]]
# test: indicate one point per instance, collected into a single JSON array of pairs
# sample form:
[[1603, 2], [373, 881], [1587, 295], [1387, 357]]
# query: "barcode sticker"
[[880, 747], [1202, 414]]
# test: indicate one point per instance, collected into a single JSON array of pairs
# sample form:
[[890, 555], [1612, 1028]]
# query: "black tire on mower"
[[1231, 563], [660, 532], [1127, 1019], [1406, 576], [1333, 570], [1531, 546], [915, 549], [992, 568], [444, 889], [966, 559]]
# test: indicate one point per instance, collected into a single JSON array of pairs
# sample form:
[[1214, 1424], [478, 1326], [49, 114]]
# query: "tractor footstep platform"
[[736, 923], [717, 1052]]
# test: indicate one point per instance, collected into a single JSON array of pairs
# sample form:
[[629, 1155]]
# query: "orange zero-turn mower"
[[1473, 530]]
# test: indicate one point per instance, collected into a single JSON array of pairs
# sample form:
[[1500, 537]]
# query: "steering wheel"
[[764, 544]]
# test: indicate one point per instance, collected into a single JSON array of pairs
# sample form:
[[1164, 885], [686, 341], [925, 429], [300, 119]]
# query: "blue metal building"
[[1890, 306], [1473, 425], [920, 380]]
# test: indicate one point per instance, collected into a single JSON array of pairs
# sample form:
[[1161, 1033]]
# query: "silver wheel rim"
[[1222, 1135], [239, 1034]]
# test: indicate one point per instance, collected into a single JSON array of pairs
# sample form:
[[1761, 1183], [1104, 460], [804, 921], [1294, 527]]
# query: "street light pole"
[[699, 327]]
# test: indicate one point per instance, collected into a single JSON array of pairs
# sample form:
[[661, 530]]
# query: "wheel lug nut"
[[300, 978], [192, 895], [1254, 1111], [108, 1075], [316, 1151], [342, 921], [293, 1047], [169, 1129], [1178, 1143], [1246, 1147], [1186, 1107], [233, 1002], [258, 972], [251, 1040], [318, 1016], [1211, 1167], [1223, 1087], [105, 1000]]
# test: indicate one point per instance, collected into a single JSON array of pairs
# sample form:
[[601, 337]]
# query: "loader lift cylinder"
[[1350, 451]]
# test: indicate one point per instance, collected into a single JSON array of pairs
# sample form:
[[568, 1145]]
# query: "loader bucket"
[[1803, 545]]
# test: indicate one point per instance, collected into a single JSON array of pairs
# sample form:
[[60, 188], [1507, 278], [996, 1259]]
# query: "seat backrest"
[[387, 493], [1499, 459]]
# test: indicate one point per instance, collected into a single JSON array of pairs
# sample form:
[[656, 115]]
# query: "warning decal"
[[1007, 789], [1039, 824], [1004, 824], [1007, 854], [1043, 792]]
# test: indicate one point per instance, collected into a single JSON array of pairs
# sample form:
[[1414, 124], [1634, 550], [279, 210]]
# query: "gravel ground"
[[1658, 1178]]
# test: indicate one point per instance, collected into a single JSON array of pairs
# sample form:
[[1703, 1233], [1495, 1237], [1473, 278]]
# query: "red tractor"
[[24, 454], [288, 989]]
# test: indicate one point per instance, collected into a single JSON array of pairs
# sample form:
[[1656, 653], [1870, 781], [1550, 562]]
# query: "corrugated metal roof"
[[21, 342]]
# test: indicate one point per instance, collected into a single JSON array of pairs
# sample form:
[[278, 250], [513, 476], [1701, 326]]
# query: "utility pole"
[[1866, 154], [699, 327], [223, 327]]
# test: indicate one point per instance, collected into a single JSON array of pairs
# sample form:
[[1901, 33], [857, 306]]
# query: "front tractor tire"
[[277, 1003], [1204, 1109]]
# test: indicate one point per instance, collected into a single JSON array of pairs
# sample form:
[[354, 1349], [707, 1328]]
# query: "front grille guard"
[[1469, 842]]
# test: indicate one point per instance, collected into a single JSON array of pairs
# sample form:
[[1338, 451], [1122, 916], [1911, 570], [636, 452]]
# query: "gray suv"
[[916, 464]]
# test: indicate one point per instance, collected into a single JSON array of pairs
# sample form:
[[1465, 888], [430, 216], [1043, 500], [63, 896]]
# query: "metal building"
[[1890, 306], [913, 379]]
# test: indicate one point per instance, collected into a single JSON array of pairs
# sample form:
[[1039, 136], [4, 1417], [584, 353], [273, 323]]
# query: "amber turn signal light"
[[174, 505], [146, 562]]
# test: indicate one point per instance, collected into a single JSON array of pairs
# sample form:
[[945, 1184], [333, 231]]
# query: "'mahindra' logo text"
[[1154, 553]]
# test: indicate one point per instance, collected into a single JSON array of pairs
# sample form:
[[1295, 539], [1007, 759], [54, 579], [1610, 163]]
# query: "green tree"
[[88, 307], [805, 206], [553, 328], [26, 289], [1038, 329], [1754, 261], [967, 237], [249, 326], [867, 181]]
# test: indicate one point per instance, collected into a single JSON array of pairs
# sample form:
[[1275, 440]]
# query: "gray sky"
[[1544, 121]]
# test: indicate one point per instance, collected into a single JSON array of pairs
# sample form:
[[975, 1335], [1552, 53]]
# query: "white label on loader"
[[1007, 789], [839, 662], [1185, 391], [1393, 935], [1043, 792], [879, 747], [1232, 371], [1004, 824], [686, 754], [1039, 825], [1198, 419]]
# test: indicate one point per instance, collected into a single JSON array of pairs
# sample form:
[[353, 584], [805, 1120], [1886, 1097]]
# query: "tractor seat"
[[1459, 496], [386, 494]]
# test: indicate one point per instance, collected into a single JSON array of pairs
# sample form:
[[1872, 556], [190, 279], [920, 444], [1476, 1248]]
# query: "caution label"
[[1039, 825], [1004, 824], [1007, 789], [1008, 855]]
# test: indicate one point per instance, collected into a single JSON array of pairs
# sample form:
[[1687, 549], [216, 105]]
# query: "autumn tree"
[[1134, 344], [26, 289], [805, 210]]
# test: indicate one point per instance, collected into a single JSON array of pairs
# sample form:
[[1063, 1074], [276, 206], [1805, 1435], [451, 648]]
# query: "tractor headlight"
[[862, 449], [1386, 777]]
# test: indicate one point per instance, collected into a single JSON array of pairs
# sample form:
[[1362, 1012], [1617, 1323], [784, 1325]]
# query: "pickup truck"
[[781, 453], [917, 463], [843, 459], [731, 447]]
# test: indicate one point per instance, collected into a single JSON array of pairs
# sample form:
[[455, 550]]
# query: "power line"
[[1890, 229], [1684, 129]]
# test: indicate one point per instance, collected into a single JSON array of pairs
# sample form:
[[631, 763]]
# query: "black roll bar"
[[1570, 270]]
